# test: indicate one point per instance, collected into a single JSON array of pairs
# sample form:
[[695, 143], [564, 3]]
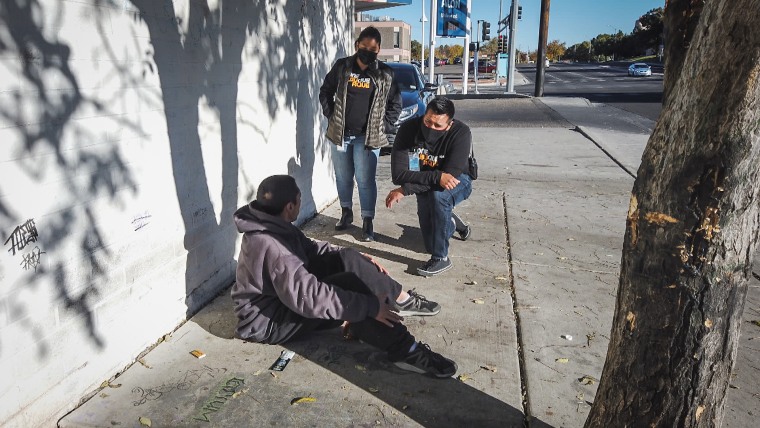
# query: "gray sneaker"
[[434, 267], [417, 305]]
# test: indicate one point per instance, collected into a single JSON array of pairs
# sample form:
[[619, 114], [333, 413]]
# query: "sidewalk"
[[550, 203]]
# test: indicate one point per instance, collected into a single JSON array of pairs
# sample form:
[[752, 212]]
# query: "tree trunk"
[[692, 228]]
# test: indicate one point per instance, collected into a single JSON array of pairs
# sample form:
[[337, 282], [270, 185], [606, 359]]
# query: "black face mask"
[[366, 57], [431, 135]]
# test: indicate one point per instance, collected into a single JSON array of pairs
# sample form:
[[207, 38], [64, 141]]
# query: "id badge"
[[414, 161]]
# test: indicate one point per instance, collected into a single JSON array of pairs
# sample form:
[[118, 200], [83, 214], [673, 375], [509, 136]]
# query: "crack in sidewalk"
[[518, 332]]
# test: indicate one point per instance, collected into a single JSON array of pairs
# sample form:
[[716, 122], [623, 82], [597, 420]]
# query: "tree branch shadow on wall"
[[214, 43], [44, 112], [208, 56]]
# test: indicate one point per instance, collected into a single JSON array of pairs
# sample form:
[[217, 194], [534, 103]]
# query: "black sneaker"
[[465, 234], [423, 360], [434, 267], [464, 230], [417, 305]]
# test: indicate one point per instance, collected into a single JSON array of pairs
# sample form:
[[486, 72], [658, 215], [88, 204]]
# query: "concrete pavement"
[[527, 307]]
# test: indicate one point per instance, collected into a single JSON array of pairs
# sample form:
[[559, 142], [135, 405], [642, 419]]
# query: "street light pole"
[[423, 20], [433, 24]]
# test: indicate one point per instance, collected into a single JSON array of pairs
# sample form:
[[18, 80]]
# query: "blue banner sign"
[[452, 18]]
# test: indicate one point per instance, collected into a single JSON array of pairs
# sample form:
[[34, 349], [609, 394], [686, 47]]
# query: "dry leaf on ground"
[[299, 400], [562, 360], [145, 421]]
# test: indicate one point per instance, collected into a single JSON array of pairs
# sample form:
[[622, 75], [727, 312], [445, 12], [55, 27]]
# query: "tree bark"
[[692, 227]]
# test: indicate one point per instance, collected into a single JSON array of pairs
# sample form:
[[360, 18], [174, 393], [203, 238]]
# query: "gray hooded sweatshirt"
[[273, 284]]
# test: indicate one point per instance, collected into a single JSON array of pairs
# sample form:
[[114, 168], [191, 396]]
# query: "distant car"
[[547, 62], [484, 66], [415, 94], [458, 60], [639, 69]]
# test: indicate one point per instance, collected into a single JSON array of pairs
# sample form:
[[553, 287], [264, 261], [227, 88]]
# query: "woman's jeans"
[[354, 160], [434, 209]]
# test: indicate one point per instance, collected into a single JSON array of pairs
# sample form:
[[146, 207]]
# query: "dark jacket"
[[273, 283], [448, 154], [384, 110]]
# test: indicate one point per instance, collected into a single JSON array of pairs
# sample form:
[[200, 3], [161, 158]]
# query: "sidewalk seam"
[[609, 155], [518, 332]]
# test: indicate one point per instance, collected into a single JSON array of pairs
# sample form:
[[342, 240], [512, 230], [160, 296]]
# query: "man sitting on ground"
[[289, 285]]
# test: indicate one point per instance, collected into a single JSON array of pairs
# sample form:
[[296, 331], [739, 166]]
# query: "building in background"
[[396, 45]]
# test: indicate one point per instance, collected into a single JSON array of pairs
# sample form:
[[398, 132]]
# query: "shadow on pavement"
[[428, 401]]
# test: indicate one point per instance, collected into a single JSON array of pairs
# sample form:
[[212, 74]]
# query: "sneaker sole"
[[419, 314], [429, 274], [408, 367]]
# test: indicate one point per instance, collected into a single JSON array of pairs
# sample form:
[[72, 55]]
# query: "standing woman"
[[362, 104]]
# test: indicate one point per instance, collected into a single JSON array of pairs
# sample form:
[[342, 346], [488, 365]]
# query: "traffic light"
[[486, 31], [519, 12], [502, 43]]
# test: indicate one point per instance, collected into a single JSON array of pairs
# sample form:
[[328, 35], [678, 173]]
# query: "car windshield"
[[405, 79], [640, 65]]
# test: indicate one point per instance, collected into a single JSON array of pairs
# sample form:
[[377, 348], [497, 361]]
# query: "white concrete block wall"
[[130, 130]]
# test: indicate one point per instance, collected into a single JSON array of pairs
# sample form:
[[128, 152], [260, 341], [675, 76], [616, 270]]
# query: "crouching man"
[[288, 285]]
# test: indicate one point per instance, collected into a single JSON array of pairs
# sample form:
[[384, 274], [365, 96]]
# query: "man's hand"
[[386, 314], [377, 265], [448, 181], [394, 196]]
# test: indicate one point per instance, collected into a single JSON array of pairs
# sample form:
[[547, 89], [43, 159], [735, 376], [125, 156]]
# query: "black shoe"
[[346, 218], [368, 232], [465, 234], [423, 360], [434, 267], [417, 305], [464, 230]]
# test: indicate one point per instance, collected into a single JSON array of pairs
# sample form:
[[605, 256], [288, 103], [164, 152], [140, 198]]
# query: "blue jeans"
[[354, 160], [434, 209]]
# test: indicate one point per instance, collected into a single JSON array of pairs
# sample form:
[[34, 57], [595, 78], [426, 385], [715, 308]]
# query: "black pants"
[[350, 270]]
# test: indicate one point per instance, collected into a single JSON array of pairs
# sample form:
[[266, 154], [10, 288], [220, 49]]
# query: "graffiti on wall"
[[21, 237]]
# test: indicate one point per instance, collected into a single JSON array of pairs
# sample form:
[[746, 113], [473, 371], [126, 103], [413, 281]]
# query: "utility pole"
[[543, 32]]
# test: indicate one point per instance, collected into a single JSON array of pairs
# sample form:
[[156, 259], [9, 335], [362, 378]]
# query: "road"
[[600, 83], [609, 84]]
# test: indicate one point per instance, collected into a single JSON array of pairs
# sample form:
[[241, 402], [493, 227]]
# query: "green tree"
[[416, 50], [648, 30], [692, 228]]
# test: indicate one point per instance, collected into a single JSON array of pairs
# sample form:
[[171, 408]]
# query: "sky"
[[570, 21]]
